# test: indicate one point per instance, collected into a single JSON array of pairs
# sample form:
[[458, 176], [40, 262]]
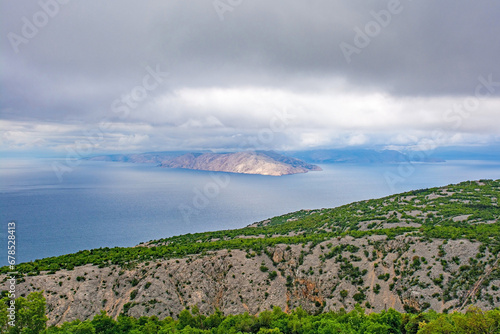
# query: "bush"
[[384, 277], [32, 320], [359, 297]]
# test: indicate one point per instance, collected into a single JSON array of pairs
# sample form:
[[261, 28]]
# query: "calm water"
[[102, 204]]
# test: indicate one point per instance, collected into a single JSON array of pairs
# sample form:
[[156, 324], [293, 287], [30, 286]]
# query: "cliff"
[[426, 249]]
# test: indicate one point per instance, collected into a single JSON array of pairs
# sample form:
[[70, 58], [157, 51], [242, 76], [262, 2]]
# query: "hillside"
[[247, 162], [425, 249]]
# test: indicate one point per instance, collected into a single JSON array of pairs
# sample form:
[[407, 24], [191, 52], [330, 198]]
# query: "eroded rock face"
[[383, 273]]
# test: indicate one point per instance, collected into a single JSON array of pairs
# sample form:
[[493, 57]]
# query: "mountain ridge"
[[363, 155], [424, 249]]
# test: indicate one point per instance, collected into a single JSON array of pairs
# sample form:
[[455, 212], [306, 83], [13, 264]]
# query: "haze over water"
[[118, 204]]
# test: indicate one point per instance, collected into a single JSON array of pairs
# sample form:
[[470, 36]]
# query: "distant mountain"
[[359, 156], [489, 153], [148, 157], [258, 162]]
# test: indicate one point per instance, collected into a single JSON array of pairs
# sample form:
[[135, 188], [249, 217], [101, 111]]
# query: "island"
[[245, 162]]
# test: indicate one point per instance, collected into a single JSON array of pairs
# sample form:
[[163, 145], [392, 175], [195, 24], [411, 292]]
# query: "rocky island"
[[247, 162]]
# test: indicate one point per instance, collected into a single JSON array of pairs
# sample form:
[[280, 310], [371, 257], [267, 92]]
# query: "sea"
[[107, 204]]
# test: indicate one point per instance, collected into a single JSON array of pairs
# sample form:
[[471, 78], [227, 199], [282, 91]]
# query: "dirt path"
[[476, 286]]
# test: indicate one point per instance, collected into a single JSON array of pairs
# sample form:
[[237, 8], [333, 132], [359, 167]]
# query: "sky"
[[135, 76]]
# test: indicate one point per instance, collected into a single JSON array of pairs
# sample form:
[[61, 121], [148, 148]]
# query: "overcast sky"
[[122, 75]]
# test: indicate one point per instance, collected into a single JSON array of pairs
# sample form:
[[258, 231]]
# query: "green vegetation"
[[29, 316], [273, 275], [133, 294], [384, 277], [31, 319], [468, 210]]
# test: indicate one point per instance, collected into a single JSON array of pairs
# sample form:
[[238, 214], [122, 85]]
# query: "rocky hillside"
[[426, 249], [248, 162]]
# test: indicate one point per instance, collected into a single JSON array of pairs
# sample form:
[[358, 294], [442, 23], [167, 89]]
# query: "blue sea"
[[106, 204]]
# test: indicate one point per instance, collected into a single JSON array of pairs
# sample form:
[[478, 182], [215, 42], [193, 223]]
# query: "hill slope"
[[248, 162], [426, 249]]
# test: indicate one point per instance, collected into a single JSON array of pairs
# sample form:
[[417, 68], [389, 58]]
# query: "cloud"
[[203, 118], [227, 78], [337, 109]]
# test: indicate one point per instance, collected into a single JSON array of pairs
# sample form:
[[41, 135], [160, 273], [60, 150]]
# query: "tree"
[[103, 323], [185, 319], [269, 331], [125, 324], [30, 314], [84, 328], [214, 320]]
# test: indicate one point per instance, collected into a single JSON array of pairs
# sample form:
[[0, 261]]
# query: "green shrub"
[[359, 297]]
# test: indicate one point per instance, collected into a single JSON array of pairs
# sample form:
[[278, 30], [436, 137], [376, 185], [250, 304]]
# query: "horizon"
[[481, 151]]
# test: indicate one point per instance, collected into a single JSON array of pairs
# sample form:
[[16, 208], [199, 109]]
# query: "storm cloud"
[[161, 75]]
